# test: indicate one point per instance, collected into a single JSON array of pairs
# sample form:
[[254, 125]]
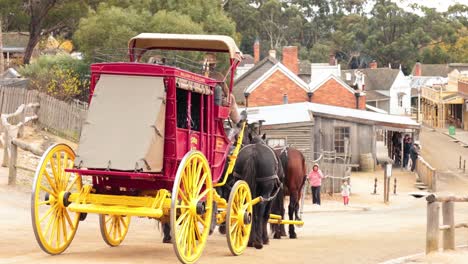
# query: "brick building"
[[274, 82]]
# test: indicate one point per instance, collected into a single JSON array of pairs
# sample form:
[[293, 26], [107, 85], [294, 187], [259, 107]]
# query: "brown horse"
[[295, 174]]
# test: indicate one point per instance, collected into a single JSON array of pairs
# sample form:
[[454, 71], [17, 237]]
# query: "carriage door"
[[196, 121]]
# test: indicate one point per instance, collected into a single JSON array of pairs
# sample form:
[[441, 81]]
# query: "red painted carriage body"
[[210, 138]]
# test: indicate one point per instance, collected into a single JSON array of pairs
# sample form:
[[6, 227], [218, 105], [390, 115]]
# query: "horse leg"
[[167, 233], [291, 209], [266, 216], [258, 232], [282, 229]]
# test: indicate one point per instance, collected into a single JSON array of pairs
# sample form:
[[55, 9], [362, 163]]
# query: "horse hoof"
[[250, 244], [266, 242], [258, 245], [292, 236], [222, 229], [283, 233], [277, 236], [167, 241]]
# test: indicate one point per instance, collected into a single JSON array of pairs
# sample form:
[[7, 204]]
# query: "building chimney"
[[256, 49], [417, 69], [272, 53], [331, 59], [373, 65], [290, 58]]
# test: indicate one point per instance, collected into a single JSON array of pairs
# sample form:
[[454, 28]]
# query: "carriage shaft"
[[120, 205], [285, 222]]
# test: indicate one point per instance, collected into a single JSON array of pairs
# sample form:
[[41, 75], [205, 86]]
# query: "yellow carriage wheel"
[[114, 228], [53, 224], [239, 218], [191, 207]]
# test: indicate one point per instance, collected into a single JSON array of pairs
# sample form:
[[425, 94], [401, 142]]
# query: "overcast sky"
[[440, 5]]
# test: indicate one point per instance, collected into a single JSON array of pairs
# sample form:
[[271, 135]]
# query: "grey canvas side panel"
[[124, 129]]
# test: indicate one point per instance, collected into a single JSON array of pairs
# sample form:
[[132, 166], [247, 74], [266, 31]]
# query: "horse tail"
[[249, 171], [304, 171]]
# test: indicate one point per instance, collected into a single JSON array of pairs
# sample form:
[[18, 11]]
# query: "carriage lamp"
[[309, 94]]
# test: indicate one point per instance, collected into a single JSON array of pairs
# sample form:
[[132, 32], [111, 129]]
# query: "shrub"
[[60, 76]]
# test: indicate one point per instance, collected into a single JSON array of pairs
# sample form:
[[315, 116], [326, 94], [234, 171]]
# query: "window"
[[276, 142], [341, 139], [181, 99], [400, 99], [195, 111]]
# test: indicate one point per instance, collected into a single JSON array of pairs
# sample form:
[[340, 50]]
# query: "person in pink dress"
[[315, 179]]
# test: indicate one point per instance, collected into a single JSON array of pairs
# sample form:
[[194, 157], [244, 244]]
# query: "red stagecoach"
[[153, 145]]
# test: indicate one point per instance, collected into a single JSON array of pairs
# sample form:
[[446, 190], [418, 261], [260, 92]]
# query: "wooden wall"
[[297, 135], [362, 136]]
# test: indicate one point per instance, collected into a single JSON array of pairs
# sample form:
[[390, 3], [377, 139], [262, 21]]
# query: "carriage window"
[[341, 139], [276, 142], [195, 111], [205, 113], [181, 98]]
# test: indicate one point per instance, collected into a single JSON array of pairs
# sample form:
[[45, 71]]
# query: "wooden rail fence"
[[64, 119], [448, 221], [427, 174], [10, 138]]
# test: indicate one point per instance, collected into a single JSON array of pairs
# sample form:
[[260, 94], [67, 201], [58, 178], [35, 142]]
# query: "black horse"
[[259, 166]]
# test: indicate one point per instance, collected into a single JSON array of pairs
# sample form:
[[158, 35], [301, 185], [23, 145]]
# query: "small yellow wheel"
[[114, 228], [239, 218], [54, 226], [191, 207]]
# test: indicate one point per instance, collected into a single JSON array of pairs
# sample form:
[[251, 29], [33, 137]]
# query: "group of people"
[[315, 179]]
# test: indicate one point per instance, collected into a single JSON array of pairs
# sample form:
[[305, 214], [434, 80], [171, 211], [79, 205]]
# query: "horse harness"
[[279, 184]]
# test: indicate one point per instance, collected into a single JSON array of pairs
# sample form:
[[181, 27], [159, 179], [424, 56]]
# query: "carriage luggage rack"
[[187, 60]]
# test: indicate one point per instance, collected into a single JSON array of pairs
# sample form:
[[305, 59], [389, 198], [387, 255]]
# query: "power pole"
[[2, 65]]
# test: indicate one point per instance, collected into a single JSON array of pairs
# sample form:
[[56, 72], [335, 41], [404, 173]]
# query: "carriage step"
[[115, 210]]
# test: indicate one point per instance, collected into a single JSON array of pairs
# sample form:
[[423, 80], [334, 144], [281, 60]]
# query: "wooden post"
[[459, 163], [5, 148], [448, 219], [2, 64], [12, 165], [432, 231]]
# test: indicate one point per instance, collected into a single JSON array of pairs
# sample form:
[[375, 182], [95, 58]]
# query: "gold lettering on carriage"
[[193, 143]]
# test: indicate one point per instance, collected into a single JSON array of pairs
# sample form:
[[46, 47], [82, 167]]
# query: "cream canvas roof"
[[215, 43]]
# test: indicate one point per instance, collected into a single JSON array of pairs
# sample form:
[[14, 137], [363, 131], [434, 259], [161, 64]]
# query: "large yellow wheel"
[[191, 207], [114, 228], [54, 226], [239, 218]]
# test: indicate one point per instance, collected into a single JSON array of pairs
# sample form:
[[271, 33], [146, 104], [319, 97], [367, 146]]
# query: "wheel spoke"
[[202, 180], [64, 227], [124, 222], [47, 213], [59, 225], [72, 183], [45, 189], [54, 229], [182, 217], [59, 170], [199, 219], [54, 170], [109, 218], [49, 180], [203, 194], [184, 197], [67, 216]]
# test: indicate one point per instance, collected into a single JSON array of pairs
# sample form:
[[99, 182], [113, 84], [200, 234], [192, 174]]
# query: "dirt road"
[[356, 237]]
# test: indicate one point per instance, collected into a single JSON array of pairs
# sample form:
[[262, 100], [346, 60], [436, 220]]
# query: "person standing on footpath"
[[406, 150], [345, 192], [315, 178], [414, 153]]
